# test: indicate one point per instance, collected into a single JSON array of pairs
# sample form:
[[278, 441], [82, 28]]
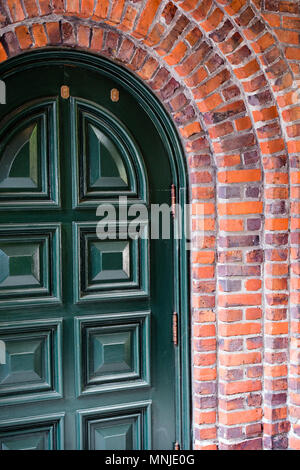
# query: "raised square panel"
[[29, 158], [29, 264], [112, 352], [109, 261], [110, 268], [107, 161], [35, 433], [32, 368], [120, 427]]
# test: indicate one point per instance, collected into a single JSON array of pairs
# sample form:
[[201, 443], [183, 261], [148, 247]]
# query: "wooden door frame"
[[177, 160]]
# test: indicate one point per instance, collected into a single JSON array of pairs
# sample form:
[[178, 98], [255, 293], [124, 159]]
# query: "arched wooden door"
[[86, 323]]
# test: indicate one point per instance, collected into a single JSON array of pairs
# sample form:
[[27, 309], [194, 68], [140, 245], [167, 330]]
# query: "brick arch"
[[227, 82]]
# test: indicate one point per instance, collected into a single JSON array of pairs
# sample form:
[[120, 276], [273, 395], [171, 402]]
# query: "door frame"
[[177, 160]]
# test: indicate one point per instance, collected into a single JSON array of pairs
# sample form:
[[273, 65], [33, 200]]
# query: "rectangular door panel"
[[112, 352], [123, 427], [34, 433], [33, 361], [112, 268], [30, 268]]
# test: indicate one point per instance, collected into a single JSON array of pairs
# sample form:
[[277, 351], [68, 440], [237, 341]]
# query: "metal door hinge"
[[175, 328], [176, 446], [173, 200]]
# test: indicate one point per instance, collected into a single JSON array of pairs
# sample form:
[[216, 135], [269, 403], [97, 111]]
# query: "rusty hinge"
[[173, 200], [175, 328], [176, 446]]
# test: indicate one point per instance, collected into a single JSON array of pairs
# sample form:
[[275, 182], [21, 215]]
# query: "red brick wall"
[[227, 73]]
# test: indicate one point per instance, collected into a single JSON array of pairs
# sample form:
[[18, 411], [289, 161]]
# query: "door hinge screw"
[[173, 200], [175, 328]]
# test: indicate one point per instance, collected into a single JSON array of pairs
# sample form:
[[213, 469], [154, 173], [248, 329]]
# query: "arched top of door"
[[124, 77]]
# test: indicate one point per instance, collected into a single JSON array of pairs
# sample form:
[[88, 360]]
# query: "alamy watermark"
[[156, 221]]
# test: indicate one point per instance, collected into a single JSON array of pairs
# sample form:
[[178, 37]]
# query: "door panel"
[[33, 368], [127, 427], [85, 320], [108, 163], [110, 268], [29, 158], [112, 352], [30, 268], [42, 433]]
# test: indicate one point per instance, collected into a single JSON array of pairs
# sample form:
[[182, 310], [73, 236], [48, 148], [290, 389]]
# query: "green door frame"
[[169, 136]]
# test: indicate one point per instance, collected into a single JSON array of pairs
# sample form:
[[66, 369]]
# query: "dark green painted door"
[[86, 322]]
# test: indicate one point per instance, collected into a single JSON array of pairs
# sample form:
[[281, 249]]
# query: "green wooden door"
[[86, 323]]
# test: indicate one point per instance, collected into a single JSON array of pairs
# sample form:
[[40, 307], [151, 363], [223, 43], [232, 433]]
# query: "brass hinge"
[[175, 328], [176, 446], [173, 200]]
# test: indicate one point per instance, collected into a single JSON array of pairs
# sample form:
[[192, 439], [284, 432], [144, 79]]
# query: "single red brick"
[[24, 37], [146, 18]]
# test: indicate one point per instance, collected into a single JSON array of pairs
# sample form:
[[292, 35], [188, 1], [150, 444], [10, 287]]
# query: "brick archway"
[[226, 72]]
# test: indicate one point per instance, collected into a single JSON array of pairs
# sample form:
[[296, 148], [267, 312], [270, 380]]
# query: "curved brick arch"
[[267, 81], [227, 81], [241, 34]]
